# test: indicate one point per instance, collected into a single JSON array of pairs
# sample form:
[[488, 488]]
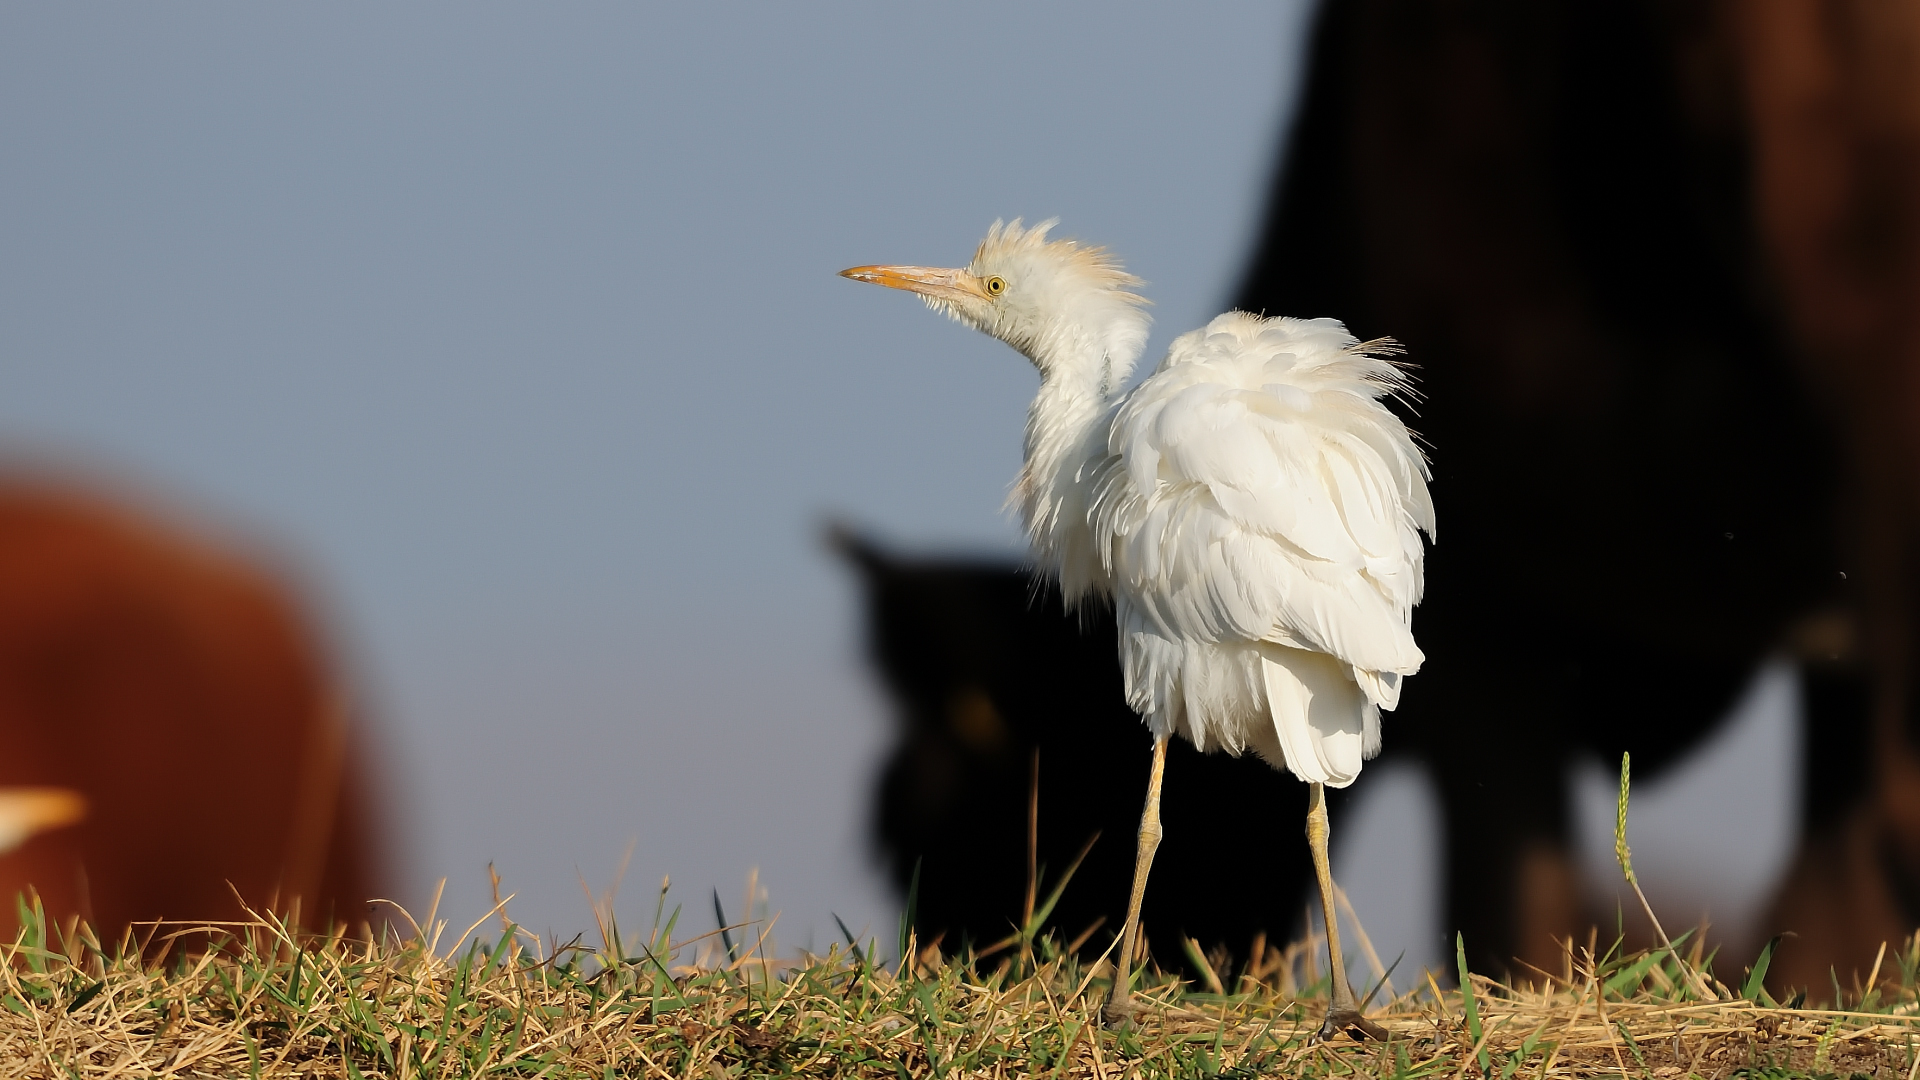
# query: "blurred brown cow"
[[171, 725], [1833, 92]]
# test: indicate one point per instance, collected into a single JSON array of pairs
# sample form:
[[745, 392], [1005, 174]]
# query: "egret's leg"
[[1343, 1011], [1120, 1004]]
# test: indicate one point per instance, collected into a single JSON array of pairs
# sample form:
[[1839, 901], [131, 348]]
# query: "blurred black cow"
[[986, 668], [1551, 205]]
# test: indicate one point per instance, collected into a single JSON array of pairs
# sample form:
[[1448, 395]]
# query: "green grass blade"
[[720, 917], [1632, 975], [1633, 1047], [1367, 998], [851, 942], [911, 913], [1754, 989], [1468, 1004], [1041, 913]]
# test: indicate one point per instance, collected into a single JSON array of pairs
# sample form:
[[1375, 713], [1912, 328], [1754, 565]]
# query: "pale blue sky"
[[515, 329]]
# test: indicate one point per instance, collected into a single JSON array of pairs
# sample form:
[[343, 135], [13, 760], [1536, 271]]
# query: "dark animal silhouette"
[[177, 691], [986, 667], [1659, 264], [1551, 205], [1832, 92]]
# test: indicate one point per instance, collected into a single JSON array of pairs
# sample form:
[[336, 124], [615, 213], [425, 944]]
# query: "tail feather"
[[1326, 724], [1381, 687]]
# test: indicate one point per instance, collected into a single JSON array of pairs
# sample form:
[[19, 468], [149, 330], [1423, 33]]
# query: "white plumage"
[[1252, 507], [1260, 512]]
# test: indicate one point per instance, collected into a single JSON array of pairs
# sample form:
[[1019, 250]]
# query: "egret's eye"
[[996, 286]]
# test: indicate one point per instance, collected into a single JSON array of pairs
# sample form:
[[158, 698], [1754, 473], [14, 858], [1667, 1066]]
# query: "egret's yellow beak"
[[940, 282]]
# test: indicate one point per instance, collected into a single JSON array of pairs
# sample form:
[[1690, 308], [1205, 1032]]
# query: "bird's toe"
[[1350, 1021]]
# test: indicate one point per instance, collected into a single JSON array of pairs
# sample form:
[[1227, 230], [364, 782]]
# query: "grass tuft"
[[261, 998]]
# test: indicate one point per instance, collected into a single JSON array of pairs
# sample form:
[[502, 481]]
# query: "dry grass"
[[263, 999], [268, 1001]]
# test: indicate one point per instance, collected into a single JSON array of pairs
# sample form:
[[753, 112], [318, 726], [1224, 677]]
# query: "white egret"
[[1252, 508]]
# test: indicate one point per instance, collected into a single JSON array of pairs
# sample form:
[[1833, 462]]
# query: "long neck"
[[1065, 429]]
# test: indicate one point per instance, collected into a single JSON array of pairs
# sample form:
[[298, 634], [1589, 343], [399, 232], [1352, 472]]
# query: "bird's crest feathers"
[[1010, 240]]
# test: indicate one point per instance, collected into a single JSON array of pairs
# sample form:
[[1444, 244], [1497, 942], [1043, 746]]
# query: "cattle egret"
[[1252, 509]]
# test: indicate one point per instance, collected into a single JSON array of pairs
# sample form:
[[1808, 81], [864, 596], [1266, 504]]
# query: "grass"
[[263, 999]]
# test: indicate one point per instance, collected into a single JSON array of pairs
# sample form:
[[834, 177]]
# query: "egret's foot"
[[1118, 1014], [1349, 1020]]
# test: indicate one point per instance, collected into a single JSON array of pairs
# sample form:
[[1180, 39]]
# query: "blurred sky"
[[515, 330]]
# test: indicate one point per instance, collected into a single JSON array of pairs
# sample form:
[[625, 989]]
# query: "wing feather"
[[1257, 490]]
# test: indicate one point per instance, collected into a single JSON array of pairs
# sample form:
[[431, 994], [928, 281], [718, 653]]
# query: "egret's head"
[[1059, 302]]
